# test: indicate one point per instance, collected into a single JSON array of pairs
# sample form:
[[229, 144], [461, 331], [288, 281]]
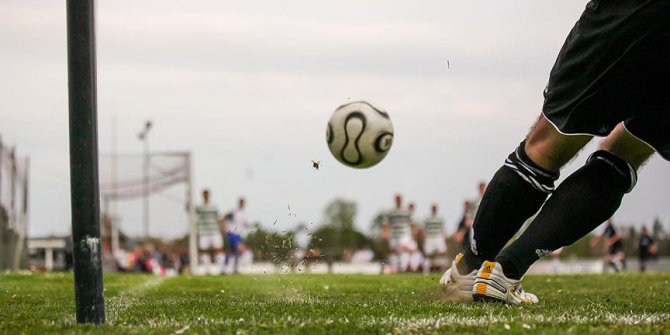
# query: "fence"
[[14, 191]]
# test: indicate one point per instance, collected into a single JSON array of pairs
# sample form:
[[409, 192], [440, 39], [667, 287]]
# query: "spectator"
[[646, 248]]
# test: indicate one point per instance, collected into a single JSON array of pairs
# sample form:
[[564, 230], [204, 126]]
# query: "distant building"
[[52, 253]]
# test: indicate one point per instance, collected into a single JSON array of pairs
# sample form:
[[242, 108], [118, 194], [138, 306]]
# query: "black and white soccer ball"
[[359, 134]]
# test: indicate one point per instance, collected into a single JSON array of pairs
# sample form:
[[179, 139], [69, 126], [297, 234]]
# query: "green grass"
[[315, 304]]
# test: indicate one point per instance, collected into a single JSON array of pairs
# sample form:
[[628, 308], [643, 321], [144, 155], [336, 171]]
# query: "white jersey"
[[400, 224], [207, 220], [238, 222], [434, 227]]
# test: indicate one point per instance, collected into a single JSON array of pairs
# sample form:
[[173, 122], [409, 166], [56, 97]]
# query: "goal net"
[[144, 181]]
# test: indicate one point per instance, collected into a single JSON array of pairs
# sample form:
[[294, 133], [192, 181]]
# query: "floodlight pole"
[[84, 188], [144, 137], [192, 228]]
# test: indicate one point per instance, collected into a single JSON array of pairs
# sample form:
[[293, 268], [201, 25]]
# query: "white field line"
[[445, 320], [410, 323], [130, 297]]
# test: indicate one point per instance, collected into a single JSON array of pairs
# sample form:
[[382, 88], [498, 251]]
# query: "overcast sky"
[[248, 86]]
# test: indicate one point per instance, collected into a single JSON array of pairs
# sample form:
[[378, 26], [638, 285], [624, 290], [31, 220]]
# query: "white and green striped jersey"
[[207, 219], [399, 221], [434, 227]]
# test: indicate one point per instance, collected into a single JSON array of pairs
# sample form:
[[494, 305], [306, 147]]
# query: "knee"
[[550, 155], [634, 158], [617, 164], [550, 149], [627, 147]]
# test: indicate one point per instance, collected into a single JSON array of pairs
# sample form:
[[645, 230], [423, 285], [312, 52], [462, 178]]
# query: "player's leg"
[[516, 192], [230, 252], [430, 251], [238, 248], [416, 260], [394, 255], [643, 260], [441, 254], [217, 242], [621, 257], [607, 261], [404, 258], [612, 261], [203, 249], [518, 189], [428, 261], [583, 201]]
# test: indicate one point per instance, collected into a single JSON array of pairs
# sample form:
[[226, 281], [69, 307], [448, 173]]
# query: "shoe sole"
[[485, 290], [488, 293], [455, 292], [486, 298]]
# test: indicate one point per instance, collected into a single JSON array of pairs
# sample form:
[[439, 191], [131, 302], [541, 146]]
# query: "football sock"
[[516, 192], [237, 262], [583, 201], [614, 266]]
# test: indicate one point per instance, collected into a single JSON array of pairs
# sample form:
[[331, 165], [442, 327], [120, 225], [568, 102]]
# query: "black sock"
[[583, 201], [516, 192]]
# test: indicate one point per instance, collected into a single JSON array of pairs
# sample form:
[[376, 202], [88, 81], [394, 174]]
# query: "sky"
[[248, 86]]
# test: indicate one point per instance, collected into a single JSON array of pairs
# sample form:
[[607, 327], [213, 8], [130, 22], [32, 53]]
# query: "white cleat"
[[457, 287], [491, 284]]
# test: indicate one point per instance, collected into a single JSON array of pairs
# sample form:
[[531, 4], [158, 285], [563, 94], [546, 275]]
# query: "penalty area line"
[[129, 297]]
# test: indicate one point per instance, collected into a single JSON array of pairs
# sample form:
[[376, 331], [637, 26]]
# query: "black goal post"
[[84, 189]]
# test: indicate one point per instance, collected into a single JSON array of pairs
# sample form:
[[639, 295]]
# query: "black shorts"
[[615, 67], [615, 248]]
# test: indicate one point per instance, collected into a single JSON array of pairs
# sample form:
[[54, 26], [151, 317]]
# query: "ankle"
[[469, 263], [509, 269]]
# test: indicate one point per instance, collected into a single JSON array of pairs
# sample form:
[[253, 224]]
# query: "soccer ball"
[[359, 134]]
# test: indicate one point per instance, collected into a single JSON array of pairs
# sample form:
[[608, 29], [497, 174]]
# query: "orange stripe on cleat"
[[487, 269], [480, 288]]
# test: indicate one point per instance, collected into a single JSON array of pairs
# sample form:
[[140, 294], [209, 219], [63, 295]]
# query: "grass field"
[[315, 304]]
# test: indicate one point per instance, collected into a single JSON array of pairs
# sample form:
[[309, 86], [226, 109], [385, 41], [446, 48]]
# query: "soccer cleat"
[[457, 287], [491, 284]]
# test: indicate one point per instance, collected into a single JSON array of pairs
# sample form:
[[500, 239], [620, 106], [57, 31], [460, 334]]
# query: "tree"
[[657, 229], [378, 244], [338, 232], [270, 246], [340, 214]]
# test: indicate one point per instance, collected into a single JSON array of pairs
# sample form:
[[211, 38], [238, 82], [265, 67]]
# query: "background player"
[[646, 248], [416, 257], [614, 254], [474, 203], [210, 241], [435, 244], [463, 232], [399, 231], [236, 225]]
